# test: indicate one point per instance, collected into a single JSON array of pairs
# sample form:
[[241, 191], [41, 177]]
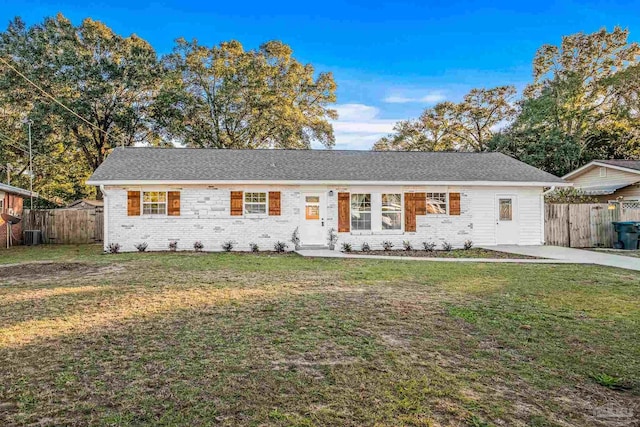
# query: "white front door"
[[507, 227], [313, 219]]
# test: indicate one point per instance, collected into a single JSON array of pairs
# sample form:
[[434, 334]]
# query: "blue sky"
[[390, 59]]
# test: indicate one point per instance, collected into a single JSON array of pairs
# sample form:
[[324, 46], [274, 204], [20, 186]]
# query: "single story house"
[[11, 202], [609, 181], [159, 195]]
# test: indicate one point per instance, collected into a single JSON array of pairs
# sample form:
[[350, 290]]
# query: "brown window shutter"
[[454, 203], [421, 203], [173, 208], [274, 203], [410, 211], [236, 203], [133, 203], [344, 220]]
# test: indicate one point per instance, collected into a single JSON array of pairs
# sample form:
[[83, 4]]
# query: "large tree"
[[465, 126], [582, 104], [432, 131], [85, 88], [228, 97]]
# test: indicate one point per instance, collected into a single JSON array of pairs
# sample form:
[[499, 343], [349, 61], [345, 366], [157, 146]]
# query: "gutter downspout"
[[105, 219]]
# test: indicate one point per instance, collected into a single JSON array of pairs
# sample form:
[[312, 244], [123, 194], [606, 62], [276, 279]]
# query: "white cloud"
[[358, 127], [356, 112], [430, 98]]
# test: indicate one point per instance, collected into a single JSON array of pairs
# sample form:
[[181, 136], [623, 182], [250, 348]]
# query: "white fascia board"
[[334, 183], [597, 163]]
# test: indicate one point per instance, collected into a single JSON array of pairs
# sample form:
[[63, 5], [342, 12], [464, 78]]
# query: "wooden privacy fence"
[[585, 225], [66, 226]]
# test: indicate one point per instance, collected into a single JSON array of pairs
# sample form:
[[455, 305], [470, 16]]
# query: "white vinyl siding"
[[592, 178]]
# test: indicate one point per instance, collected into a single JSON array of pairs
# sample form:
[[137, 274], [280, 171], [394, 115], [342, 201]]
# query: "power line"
[[25, 150], [22, 147], [48, 95]]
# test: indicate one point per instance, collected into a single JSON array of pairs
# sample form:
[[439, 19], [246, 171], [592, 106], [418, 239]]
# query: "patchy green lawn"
[[241, 339]]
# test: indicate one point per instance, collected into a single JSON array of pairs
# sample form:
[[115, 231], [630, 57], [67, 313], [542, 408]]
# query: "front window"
[[361, 211], [436, 203], [154, 203], [391, 211], [255, 203]]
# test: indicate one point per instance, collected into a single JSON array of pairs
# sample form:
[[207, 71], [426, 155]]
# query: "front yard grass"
[[241, 339]]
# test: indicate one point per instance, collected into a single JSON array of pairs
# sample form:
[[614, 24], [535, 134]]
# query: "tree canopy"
[[87, 89], [583, 104], [465, 126], [228, 97]]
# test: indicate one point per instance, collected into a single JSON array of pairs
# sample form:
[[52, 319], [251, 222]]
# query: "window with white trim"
[[255, 203], [436, 203], [154, 203], [603, 172], [391, 211], [361, 211]]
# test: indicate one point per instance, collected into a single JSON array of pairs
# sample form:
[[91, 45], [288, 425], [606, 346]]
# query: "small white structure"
[[156, 196]]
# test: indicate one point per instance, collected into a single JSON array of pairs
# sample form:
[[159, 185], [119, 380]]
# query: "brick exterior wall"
[[205, 216], [14, 202]]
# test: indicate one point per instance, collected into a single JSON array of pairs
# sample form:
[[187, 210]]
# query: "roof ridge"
[[307, 150]]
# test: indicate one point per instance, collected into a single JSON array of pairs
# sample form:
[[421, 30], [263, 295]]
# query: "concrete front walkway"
[[579, 256], [326, 253]]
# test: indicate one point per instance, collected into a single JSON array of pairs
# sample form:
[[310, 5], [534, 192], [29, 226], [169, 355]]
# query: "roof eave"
[[593, 163], [333, 182], [17, 190]]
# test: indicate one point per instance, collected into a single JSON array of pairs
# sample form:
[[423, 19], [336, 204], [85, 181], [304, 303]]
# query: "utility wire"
[[14, 144], [23, 147], [48, 95]]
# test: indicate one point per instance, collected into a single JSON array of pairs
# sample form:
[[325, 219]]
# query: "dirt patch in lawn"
[[455, 253], [52, 270]]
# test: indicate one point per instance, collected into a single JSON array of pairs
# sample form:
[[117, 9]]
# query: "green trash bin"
[[628, 234]]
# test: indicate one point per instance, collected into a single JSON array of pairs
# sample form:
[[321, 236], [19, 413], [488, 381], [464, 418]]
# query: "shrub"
[[254, 247], [365, 247], [295, 239], [428, 246], [141, 247], [407, 245], [468, 244], [332, 238], [173, 246], [280, 247], [569, 195], [228, 246], [198, 246], [446, 246], [387, 245], [346, 247], [113, 248]]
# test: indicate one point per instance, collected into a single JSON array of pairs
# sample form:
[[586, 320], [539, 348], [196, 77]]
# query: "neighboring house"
[[158, 195], [85, 204], [609, 180], [11, 202]]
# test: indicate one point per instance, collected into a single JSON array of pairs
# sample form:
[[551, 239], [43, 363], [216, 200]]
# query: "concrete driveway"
[[579, 256]]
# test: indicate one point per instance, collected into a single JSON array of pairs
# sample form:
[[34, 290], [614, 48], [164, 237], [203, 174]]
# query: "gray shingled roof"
[[629, 164], [189, 164]]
